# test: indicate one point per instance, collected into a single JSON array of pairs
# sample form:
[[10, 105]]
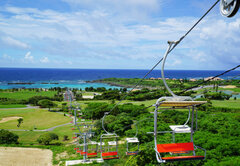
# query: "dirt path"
[[11, 156]]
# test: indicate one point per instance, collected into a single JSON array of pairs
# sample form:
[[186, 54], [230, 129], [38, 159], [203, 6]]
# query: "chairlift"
[[109, 139], [176, 102], [111, 152], [131, 143], [92, 150]]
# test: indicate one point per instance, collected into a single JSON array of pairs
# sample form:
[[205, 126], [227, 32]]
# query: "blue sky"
[[115, 34]]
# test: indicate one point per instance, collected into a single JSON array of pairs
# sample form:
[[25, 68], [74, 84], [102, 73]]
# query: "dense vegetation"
[[47, 138], [7, 137], [217, 131]]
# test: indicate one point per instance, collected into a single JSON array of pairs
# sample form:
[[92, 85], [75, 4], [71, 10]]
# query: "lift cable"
[[138, 83], [205, 81], [177, 42], [235, 76], [180, 92]]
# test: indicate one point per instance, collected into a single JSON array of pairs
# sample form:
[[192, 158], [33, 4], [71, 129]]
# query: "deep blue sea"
[[76, 78]]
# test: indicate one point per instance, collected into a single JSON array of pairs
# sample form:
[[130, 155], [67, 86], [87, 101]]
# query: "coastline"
[[109, 83]]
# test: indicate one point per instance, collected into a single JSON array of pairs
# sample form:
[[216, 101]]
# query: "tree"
[[7, 137], [47, 138], [45, 103], [35, 99], [20, 120]]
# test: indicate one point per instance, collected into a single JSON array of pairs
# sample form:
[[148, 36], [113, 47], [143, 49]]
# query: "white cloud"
[[44, 60], [174, 62], [28, 57], [15, 43], [103, 34], [7, 57]]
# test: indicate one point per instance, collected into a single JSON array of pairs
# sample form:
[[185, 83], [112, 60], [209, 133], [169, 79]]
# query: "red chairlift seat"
[[110, 155], [82, 153], [79, 151], [178, 148], [91, 155]]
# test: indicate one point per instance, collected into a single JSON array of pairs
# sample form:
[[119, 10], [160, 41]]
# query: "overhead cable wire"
[[159, 62], [138, 83], [205, 81], [194, 25], [235, 76]]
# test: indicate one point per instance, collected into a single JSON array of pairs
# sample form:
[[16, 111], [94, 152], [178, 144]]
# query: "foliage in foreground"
[[47, 138], [7, 137]]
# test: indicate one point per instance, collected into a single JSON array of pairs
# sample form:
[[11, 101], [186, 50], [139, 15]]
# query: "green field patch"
[[13, 106], [28, 137], [14, 112], [226, 103], [33, 119], [90, 93], [25, 94], [65, 130], [231, 89]]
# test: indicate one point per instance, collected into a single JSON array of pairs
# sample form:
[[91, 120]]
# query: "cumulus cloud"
[[44, 60], [7, 57], [28, 57], [222, 39], [14, 43], [100, 33]]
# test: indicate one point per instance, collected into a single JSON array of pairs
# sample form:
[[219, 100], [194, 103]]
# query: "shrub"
[[45, 103], [7, 137], [47, 138]]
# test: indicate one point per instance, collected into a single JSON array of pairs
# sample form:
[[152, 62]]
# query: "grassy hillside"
[[33, 118], [25, 94]]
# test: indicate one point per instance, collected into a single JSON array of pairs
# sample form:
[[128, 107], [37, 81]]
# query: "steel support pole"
[[193, 107], [75, 116], [85, 147]]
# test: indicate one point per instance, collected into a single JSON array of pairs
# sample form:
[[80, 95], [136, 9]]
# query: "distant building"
[[192, 79], [135, 90], [213, 79], [87, 97]]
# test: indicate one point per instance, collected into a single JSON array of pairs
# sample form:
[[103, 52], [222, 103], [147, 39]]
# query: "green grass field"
[[25, 94], [33, 118], [231, 89], [227, 103], [30, 137], [14, 112], [13, 106]]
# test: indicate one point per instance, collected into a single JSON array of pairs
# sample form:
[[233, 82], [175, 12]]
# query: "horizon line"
[[107, 69]]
